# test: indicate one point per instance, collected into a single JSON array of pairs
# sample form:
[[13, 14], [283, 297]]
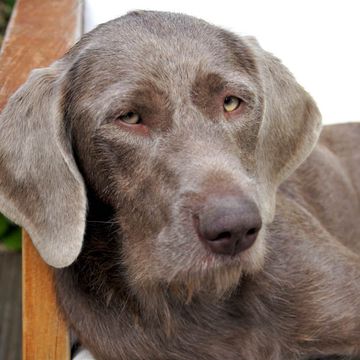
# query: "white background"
[[319, 40]]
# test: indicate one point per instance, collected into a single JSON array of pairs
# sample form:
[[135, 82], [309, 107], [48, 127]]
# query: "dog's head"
[[183, 128]]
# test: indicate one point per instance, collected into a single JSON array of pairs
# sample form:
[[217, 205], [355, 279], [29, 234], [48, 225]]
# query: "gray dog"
[[154, 166]]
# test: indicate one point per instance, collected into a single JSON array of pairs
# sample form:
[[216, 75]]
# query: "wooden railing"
[[40, 31]]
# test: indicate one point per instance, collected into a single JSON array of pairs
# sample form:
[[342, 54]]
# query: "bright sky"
[[319, 41]]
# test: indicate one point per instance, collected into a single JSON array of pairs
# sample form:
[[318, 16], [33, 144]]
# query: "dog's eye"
[[231, 103], [130, 118]]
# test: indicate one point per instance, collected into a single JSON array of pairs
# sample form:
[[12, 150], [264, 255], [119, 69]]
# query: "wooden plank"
[[44, 332], [40, 31], [10, 305]]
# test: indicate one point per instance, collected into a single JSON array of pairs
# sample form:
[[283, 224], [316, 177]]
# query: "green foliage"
[[13, 240], [10, 3], [10, 234], [4, 226], [5, 12]]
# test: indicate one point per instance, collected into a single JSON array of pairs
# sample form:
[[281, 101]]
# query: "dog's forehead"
[[164, 45], [165, 52], [167, 33]]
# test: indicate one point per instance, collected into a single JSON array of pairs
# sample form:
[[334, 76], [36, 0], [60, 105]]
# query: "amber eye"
[[231, 103], [130, 118]]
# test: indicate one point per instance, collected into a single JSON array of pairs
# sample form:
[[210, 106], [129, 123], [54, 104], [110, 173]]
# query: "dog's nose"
[[228, 224]]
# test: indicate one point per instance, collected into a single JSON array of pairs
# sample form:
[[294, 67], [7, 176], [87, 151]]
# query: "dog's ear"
[[41, 188], [290, 126]]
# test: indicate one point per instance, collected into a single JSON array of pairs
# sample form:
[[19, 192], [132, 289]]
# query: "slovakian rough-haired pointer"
[[173, 174]]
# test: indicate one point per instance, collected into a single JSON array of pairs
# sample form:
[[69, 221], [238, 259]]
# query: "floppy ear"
[[41, 188], [290, 126]]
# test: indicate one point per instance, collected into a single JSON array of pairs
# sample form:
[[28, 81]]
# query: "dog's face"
[[186, 130]]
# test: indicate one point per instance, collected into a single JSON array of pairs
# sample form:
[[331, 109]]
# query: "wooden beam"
[[40, 31], [45, 335]]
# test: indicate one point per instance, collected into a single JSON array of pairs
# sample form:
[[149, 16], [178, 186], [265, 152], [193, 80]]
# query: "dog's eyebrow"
[[211, 83], [207, 86], [145, 98]]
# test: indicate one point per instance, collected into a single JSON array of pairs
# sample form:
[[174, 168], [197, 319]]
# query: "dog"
[[174, 175]]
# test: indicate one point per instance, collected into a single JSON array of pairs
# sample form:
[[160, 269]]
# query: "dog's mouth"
[[212, 274], [218, 275], [215, 277], [204, 249], [191, 269]]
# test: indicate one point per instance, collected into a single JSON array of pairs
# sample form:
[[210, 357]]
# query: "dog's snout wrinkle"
[[228, 224]]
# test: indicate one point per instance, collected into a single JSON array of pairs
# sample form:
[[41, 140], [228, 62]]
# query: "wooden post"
[[40, 31], [45, 335]]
